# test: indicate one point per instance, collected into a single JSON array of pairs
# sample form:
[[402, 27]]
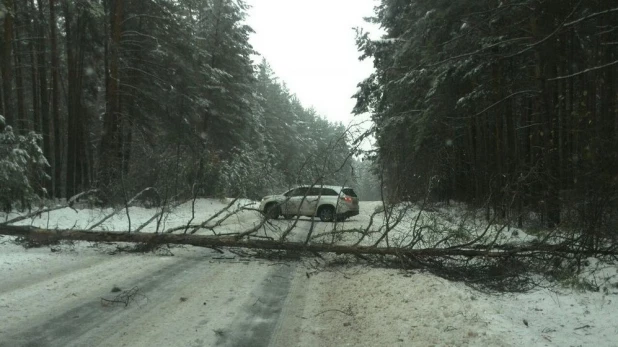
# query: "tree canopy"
[[508, 102], [131, 94]]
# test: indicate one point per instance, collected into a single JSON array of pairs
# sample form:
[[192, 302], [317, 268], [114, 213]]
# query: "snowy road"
[[192, 299], [199, 297]]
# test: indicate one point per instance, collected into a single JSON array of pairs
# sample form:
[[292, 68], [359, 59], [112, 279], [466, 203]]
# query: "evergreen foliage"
[[508, 102], [161, 94], [21, 166]]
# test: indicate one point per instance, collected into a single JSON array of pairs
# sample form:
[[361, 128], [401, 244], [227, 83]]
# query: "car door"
[[295, 200], [285, 203], [312, 201]]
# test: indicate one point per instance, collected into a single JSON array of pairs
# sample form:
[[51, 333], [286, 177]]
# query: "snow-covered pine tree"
[[21, 168]]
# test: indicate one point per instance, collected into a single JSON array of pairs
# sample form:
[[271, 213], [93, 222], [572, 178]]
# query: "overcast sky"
[[310, 45]]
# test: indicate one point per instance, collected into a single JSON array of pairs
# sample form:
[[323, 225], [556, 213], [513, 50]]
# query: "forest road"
[[195, 298]]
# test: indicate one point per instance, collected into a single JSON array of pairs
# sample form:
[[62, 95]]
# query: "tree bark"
[[46, 122], [45, 237], [55, 89], [7, 66], [22, 123], [110, 166], [76, 136], [34, 73]]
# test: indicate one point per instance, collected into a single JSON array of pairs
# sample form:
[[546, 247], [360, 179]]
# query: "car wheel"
[[326, 214], [272, 211]]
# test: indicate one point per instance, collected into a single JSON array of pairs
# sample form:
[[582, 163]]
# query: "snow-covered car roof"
[[335, 188]]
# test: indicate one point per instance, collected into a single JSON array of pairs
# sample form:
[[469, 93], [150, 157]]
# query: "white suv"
[[327, 202]]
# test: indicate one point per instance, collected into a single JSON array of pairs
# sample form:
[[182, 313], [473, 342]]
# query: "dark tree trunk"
[[76, 137], [55, 90], [46, 121], [22, 124], [7, 66], [50, 237], [110, 165], [34, 73]]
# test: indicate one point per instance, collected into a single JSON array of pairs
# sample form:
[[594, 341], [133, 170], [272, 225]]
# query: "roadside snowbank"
[[374, 307]]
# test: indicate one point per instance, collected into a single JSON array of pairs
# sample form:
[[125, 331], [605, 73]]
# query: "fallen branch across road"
[[69, 204], [43, 236], [490, 267]]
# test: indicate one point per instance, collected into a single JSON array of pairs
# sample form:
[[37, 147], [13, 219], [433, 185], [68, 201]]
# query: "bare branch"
[[70, 203], [590, 16], [158, 214], [33, 214], [584, 72], [116, 210], [503, 100], [203, 224]]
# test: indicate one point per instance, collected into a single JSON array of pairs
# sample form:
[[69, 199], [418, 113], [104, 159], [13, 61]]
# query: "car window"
[[315, 191], [300, 191], [328, 192], [349, 192]]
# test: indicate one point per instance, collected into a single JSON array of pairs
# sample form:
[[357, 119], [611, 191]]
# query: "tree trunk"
[[46, 237], [46, 122], [55, 89], [76, 144], [546, 68], [22, 124], [34, 73], [110, 165], [7, 66]]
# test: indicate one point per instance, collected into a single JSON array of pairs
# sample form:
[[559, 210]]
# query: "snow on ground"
[[372, 307], [416, 310], [423, 228], [555, 319], [346, 306], [188, 298], [244, 218], [39, 282], [68, 218]]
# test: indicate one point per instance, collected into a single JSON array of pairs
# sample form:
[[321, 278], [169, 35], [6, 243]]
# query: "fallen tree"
[[44, 236], [487, 267]]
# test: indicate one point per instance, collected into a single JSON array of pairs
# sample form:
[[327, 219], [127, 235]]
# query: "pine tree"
[[493, 101]]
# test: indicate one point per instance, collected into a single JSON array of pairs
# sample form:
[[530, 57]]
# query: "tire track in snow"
[[67, 328], [217, 297], [256, 324]]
